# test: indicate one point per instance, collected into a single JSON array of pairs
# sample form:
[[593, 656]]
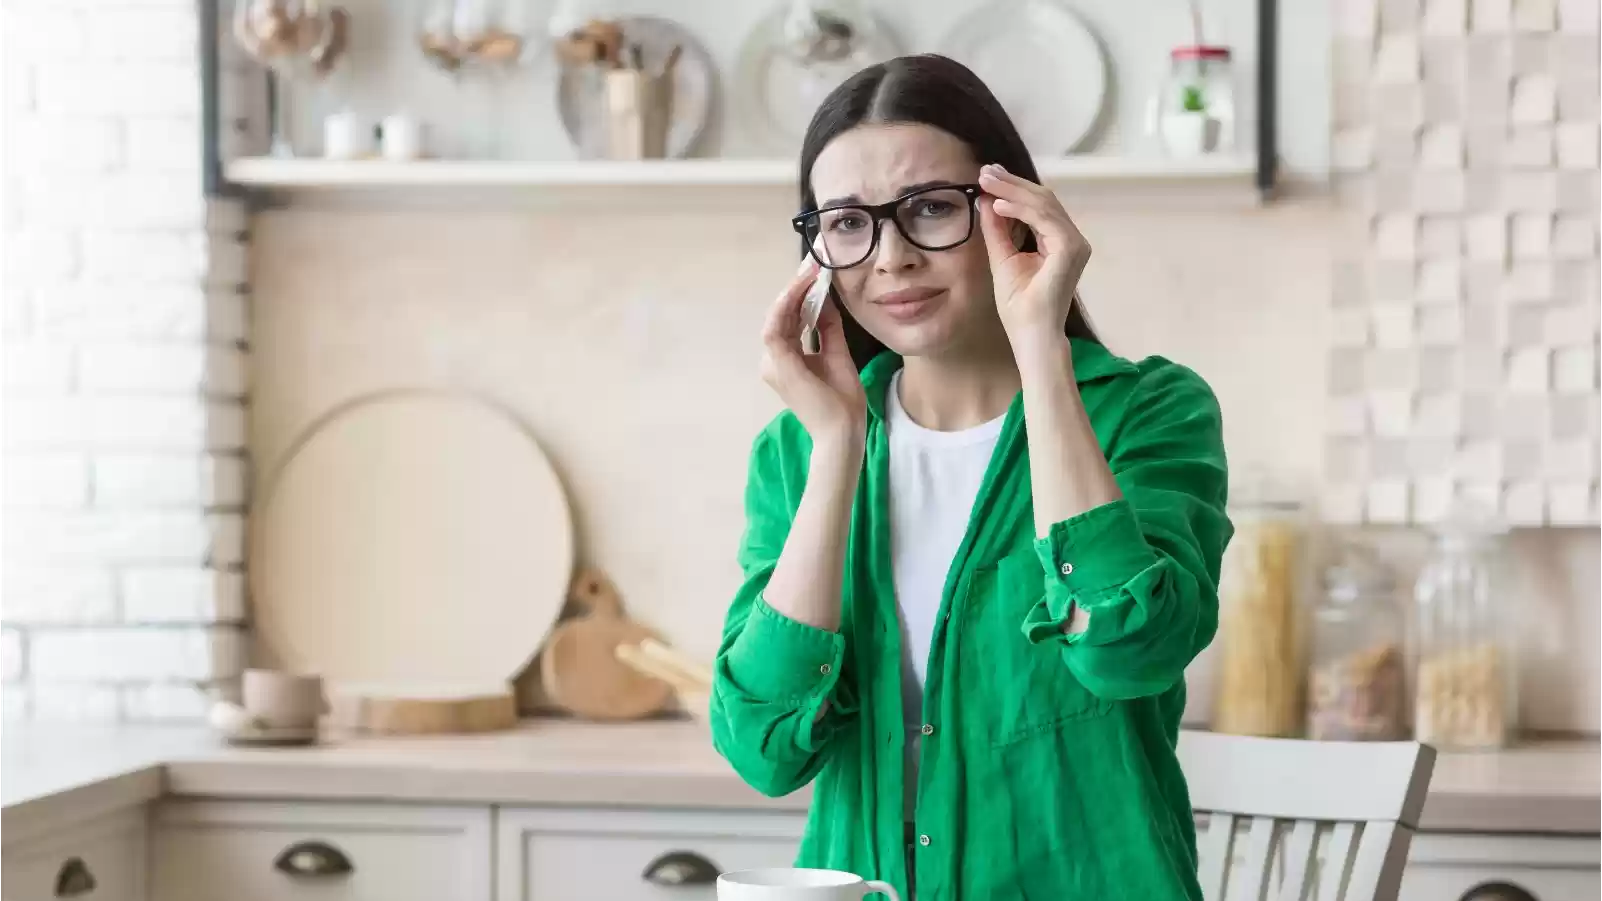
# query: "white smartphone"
[[812, 306]]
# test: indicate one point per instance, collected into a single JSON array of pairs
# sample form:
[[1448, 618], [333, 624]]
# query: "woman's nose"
[[894, 252]]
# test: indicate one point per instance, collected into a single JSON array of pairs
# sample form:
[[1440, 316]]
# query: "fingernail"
[[806, 263], [995, 169]]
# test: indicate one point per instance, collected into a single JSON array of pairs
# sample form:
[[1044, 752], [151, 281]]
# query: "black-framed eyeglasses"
[[937, 218]]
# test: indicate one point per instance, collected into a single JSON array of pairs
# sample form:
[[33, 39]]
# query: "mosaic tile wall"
[[1463, 360]]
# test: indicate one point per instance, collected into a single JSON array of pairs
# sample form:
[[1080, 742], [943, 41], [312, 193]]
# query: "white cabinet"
[[549, 854], [1502, 868], [102, 859], [270, 851]]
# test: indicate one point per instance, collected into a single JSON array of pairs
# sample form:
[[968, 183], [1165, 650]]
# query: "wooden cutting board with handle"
[[579, 666]]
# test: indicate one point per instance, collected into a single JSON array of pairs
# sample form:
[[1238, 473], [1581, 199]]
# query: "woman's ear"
[[1020, 234]]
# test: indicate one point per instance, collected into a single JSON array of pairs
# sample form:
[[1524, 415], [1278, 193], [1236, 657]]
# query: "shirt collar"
[[1092, 362]]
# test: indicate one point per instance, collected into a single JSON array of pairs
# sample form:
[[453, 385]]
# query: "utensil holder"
[[638, 107]]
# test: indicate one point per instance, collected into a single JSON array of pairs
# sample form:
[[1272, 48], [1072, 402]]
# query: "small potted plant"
[[1190, 129]]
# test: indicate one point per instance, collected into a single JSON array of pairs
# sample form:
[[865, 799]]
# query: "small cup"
[[639, 110], [280, 700], [400, 138], [344, 138]]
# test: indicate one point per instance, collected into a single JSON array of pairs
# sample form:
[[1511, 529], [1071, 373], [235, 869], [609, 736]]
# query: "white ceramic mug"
[[344, 138], [798, 884], [401, 138]]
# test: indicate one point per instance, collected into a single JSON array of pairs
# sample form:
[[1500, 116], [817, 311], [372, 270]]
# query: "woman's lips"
[[907, 303]]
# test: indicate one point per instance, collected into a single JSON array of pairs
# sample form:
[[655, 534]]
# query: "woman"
[[974, 571]]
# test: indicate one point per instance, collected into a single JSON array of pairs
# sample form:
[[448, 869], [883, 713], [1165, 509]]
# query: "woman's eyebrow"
[[903, 191]]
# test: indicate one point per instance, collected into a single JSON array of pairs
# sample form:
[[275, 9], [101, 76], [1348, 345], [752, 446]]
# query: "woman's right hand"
[[823, 390]]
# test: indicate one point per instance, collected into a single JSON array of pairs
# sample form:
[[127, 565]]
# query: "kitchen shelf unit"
[[1225, 178]]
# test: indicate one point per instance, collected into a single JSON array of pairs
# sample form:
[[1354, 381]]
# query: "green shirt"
[[1047, 769]]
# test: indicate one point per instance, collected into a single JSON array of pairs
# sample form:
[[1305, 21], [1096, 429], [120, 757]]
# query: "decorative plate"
[[1042, 62]]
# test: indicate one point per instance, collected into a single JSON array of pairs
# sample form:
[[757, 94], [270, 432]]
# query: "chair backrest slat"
[[1217, 853], [1378, 861], [1335, 866], [1258, 863], [1299, 864]]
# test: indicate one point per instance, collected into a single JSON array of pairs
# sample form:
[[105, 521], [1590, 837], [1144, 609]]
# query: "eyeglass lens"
[[937, 219]]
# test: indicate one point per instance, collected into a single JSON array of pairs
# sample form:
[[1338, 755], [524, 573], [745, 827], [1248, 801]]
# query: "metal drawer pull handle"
[[313, 860], [74, 878], [680, 868], [1497, 891]]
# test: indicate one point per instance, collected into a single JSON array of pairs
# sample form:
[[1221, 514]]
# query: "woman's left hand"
[[1034, 290]]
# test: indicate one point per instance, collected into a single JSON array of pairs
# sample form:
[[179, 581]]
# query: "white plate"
[[1042, 62], [777, 95]]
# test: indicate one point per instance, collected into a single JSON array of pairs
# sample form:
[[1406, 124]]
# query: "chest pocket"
[[1016, 688]]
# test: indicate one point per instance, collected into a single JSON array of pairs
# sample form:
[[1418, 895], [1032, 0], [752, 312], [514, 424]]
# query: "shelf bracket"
[[1267, 96]]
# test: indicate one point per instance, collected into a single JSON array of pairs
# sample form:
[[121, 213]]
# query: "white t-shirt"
[[934, 481]]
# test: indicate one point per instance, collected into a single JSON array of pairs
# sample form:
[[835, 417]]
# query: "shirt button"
[[1067, 569], [928, 729], [825, 669], [923, 840]]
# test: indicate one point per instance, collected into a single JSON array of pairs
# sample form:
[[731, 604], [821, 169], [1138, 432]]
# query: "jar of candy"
[[1356, 680]]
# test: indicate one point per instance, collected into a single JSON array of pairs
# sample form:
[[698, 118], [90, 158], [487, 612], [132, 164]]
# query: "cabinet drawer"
[[102, 860], [268, 851], [560, 855], [1461, 867]]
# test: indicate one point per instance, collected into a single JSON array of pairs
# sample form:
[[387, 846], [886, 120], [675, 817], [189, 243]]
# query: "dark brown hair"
[[929, 90]]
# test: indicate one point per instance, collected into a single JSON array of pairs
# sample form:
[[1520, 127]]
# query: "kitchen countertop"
[[48, 770]]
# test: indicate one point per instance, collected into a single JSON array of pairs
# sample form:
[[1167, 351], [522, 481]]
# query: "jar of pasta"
[[1356, 681], [1257, 677], [1466, 693]]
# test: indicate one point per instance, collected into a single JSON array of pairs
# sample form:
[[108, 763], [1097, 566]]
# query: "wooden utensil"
[[608, 36], [691, 682], [580, 668], [414, 710]]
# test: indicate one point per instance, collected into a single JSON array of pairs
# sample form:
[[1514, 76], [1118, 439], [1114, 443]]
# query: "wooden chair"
[[1293, 820]]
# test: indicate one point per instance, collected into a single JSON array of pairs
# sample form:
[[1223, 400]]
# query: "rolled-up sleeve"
[[1144, 568], [780, 691]]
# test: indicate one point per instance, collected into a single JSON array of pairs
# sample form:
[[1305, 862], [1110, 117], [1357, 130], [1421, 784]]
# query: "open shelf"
[[309, 174]]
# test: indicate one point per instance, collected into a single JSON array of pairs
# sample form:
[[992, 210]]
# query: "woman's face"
[[917, 302]]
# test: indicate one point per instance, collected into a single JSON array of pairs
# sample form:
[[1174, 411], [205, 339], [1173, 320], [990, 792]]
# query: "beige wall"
[[629, 346]]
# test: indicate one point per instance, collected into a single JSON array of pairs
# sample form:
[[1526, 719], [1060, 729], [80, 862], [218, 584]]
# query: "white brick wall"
[[133, 654], [1479, 207], [125, 371], [41, 594]]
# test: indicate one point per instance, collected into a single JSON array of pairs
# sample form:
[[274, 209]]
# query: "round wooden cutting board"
[[411, 538]]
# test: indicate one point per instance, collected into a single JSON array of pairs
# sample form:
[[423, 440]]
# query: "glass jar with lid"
[[1258, 666], [1356, 679], [1466, 691], [1193, 110]]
